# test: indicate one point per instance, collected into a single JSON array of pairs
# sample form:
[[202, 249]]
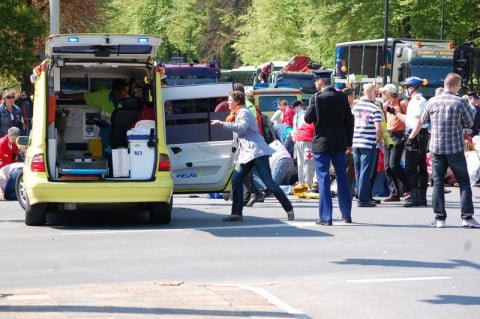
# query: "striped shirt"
[[448, 114], [366, 113]]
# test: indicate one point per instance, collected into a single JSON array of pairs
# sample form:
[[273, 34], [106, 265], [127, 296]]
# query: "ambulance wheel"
[[161, 213], [20, 191], [35, 215]]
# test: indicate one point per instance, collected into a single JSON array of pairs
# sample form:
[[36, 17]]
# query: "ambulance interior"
[[86, 144]]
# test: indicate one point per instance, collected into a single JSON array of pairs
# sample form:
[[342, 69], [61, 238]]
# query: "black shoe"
[[314, 188], [421, 204], [268, 194], [323, 222], [291, 215], [376, 201], [260, 197], [347, 220], [370, 204], [233, 218], [410, 203]]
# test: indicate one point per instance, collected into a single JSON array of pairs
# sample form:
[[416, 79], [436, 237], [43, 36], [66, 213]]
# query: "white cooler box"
[[120, 162], [142, 157]]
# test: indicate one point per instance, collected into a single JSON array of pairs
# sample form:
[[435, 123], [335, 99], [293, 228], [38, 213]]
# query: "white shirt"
[[298, 120], [280, 152], [415, 108], [277, 117]]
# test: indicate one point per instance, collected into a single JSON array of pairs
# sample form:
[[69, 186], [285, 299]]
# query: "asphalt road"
[[388, 264]]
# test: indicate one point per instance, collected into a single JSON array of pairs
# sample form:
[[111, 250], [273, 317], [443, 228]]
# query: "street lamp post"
[[385, 42]]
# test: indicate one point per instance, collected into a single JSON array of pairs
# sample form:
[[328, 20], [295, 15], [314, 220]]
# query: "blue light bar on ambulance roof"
[[143, 40], [73, 39]]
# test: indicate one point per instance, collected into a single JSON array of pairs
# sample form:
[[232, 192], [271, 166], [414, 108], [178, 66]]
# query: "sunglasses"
[[9, 97]]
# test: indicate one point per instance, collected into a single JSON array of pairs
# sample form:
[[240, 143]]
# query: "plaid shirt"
[[448, 115]]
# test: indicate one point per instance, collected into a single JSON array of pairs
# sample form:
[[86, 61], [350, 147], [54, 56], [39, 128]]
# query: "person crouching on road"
[[253, 151], [9, 154]]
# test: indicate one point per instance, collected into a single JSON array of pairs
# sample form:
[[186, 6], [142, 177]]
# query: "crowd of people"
[[15, 119], [345, 139], [338, 138]]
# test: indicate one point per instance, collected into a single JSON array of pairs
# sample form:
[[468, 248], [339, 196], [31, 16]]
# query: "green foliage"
[[21, 26]]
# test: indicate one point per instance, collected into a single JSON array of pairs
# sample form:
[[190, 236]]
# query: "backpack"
[[267, 125]]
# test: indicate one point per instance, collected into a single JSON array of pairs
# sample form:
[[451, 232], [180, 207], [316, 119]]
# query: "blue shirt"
[[9, 119]]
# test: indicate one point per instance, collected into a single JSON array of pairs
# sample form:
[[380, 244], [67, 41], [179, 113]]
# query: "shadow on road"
[[455, 300], [454, 263], [121, 219], [139, 310]]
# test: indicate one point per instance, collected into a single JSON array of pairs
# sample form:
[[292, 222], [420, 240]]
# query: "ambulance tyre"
[[161, 213], [35, 214]]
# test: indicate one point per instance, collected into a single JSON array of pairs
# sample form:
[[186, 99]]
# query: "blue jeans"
[[458, 164], [263, 170], [322, 166], [282, 172], [364, 161]]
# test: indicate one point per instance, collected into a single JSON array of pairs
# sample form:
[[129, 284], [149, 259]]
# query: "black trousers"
[[415, 162], [395, 172]]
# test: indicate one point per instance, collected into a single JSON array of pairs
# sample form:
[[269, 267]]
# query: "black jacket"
[[330, 111]]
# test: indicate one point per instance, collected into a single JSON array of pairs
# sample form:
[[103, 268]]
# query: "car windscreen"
[[188, 121], [269, 103], [303, 83]]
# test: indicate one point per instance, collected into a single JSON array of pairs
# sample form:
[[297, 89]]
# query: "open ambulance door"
[[202, 155]]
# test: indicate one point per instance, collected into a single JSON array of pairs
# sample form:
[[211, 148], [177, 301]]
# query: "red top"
[[288, 115], [305, 133], [8, 152]]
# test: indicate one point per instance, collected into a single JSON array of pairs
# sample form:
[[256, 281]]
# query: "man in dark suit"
[[330, 111]]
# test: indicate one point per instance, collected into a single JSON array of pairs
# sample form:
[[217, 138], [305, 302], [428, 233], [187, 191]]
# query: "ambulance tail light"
[[164, 163], [38, 163]]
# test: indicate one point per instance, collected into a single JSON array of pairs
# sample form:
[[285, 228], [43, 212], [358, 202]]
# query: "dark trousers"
[[415, 162], [263, 169], [395, 171], [458, 164]]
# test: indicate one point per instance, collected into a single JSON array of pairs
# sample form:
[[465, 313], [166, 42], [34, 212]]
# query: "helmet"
[[413, 81]]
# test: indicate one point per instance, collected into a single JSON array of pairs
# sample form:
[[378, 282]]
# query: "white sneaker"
[[437, 223], [470, 223]]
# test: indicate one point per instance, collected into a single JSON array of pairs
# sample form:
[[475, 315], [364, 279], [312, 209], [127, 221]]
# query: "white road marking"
[[28, 297], [275, 301], [373, 280], [123, 231]]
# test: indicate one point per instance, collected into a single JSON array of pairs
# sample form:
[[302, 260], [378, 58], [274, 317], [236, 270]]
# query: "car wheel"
[[35, 215], [161, 213], [20, 191]]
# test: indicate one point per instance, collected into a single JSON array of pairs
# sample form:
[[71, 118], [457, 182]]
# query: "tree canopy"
[[238, 31]]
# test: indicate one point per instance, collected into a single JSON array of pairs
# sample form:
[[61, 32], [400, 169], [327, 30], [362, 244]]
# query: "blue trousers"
[[364, 160], [322, 167]]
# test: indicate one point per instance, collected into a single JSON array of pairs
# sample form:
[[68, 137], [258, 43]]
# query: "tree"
[[21, 27]]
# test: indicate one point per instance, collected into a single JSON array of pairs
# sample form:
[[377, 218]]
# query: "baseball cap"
[[389, 88]]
